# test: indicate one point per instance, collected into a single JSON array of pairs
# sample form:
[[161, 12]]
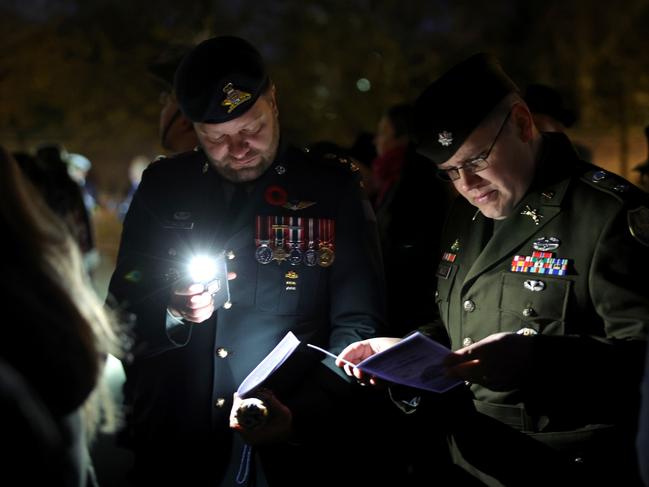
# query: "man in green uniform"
[[539, 283]]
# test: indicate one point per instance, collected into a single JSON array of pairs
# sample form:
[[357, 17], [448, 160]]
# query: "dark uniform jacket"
[[590, 324], [179, 387]]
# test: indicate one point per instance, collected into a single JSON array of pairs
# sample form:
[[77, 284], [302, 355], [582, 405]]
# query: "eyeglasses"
[[474, 165]]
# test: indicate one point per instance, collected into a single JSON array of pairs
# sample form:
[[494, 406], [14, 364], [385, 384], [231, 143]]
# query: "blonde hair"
[[44, 277]]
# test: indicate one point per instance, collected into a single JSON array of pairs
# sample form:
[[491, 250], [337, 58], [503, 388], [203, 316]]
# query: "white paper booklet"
[[269, 364]]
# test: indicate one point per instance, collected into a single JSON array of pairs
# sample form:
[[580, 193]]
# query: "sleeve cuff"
[[178, 331], [407, 404]]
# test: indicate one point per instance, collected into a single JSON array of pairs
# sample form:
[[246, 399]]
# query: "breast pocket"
[[533, 301], [291, 290]]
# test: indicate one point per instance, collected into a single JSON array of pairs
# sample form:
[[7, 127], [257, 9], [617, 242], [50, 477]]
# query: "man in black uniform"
[[539, 287], [303, 246]]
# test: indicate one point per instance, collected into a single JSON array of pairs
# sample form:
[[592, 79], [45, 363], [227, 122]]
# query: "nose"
[[468, 180], [238, 147]]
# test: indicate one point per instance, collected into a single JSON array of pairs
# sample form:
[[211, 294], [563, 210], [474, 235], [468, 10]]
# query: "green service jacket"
[[590, 324]]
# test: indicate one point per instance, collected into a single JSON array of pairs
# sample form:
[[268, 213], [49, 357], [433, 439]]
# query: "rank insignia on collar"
[[638, 220], [445, 138], [234, 97], [533, 213], [298, 205]]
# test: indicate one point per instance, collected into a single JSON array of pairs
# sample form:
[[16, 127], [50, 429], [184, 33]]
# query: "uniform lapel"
[[243, 226], [518, 228]]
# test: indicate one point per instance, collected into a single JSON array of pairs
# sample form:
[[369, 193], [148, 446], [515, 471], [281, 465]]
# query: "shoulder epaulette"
[[348, 163], [609, 183]]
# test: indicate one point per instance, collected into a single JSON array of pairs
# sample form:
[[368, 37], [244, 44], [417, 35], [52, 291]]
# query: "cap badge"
[[445, 138], [234, 97]]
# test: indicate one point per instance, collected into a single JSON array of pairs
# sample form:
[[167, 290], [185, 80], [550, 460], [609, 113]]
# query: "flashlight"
[[212, 273], [202, 268]]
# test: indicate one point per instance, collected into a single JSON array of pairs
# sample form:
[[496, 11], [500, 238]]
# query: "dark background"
[[74, 71]]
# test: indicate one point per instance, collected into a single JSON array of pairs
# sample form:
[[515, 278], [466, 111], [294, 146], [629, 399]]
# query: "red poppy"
[[276, 196]]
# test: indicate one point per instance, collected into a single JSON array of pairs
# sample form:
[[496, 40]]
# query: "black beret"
[[455, 104], [220, 79], [546, 100]]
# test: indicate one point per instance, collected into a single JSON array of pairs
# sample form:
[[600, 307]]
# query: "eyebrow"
[[221, 134]]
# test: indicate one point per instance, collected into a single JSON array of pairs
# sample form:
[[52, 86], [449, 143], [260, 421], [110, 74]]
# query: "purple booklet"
[[415, 361]]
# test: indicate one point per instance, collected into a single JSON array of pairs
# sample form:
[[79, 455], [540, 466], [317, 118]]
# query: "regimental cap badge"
[[445, 138], [234, 97]]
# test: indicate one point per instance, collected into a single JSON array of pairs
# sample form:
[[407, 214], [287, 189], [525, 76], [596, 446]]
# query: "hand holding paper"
[[416, 361]]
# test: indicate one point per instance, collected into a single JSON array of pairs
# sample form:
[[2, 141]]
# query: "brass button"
[[469, 306], [230, 254], [529, 312], [436, 294], [222, 352], [219, 403], [467, 341], [227, 305]]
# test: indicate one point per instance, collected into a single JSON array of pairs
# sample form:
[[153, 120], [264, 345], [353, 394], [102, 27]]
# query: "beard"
[[228, 169], [244, 174]]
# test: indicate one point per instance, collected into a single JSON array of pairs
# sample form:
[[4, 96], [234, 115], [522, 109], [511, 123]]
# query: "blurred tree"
[[75, 71]]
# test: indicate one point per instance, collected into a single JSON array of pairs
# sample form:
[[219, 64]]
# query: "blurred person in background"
[[78, 168], [550, 114], [54, 349], [175, 129], [643, 167], [65, 197]]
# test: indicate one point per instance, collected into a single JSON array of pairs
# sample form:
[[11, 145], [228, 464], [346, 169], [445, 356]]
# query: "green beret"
[[455, 104], [220, 79]]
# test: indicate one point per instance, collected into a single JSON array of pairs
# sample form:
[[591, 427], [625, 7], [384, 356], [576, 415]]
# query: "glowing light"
[[363, 84], [202, 268]]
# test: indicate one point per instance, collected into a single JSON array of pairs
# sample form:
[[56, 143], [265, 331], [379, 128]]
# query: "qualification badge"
[[234, 97]]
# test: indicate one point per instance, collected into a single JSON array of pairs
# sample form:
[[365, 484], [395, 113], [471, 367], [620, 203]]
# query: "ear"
[[523, 121], [185, 123], [272, 96]]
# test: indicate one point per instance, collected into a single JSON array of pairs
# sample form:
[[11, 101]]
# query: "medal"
[[326, 254], [311, 254], [295, 254], [279, 252], [263, 252]]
